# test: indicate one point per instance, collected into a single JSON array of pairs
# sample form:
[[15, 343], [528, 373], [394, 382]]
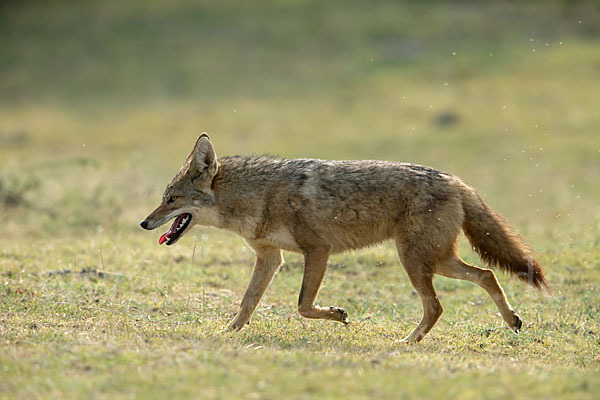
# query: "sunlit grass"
[[154, 319]]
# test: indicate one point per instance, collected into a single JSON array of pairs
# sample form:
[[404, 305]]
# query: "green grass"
[[101, 102]]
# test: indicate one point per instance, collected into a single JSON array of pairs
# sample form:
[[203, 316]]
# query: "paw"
[[236, 325], [412, 339], [517, 323], [408, 340], [343, 315]]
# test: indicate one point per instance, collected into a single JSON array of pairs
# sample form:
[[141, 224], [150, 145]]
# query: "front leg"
[[315, 264], [268, 259]]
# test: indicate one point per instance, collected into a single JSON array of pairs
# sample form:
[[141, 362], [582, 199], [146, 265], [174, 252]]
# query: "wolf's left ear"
[[203, 156]]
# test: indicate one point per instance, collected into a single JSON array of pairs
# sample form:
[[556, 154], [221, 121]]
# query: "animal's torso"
[[295, 203]]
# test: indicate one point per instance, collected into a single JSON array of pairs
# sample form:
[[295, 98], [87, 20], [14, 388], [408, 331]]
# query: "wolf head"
[[189, 197]]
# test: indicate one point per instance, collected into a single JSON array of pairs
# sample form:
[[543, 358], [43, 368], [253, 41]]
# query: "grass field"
[[100, 102]]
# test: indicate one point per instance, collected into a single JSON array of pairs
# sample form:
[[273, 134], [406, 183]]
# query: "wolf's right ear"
[[203, 157]]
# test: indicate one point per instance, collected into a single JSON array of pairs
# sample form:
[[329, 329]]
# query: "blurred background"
[[100, 102]]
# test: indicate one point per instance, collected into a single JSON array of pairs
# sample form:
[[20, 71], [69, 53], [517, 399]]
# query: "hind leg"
[[456, 268], [421, 277]]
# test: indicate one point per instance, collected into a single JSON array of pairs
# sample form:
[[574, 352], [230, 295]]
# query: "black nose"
[[144, 224]]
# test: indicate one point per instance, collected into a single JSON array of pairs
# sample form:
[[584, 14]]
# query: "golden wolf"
[[318, 208]]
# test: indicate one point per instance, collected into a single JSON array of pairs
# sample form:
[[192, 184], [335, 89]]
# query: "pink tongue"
[[171, 230], [163, 238]]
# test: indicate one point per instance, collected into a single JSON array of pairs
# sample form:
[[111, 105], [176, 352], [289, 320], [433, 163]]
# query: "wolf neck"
[[239, 188]]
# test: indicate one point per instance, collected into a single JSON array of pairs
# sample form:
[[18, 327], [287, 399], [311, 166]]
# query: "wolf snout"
[[144, 224]]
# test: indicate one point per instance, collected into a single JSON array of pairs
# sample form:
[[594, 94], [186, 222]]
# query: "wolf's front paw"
[[236, 325], [343, 315]]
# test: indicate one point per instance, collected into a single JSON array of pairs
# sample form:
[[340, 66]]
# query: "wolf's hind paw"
[[517, 323]]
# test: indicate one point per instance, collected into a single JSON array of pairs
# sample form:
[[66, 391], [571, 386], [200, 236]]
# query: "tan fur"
[[319, 207]]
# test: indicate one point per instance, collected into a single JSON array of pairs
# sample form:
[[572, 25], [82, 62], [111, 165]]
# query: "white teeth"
[[182, 223]]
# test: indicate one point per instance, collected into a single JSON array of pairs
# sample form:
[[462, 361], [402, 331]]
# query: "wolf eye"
[[171, 199]]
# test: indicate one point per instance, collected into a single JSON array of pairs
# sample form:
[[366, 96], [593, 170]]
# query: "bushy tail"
[[496, 243]]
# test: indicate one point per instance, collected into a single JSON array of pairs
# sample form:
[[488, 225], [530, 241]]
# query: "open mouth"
[[179, 225]]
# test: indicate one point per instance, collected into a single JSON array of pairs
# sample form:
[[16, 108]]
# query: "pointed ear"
[[203, 157]]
